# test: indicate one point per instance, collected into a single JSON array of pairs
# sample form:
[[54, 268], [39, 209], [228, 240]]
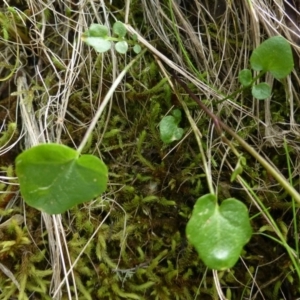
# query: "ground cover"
[[131, 241]]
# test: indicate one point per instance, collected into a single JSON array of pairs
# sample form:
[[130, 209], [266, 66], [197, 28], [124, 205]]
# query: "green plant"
[[219, 232], [53, 178], [97, 36], [168, 127], [273, 55]]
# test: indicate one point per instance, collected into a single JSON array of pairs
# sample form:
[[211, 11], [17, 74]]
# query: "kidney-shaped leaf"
[[273, 55], [219, 232], [261, 91], [168, 127], [245, 77], [53, 178]]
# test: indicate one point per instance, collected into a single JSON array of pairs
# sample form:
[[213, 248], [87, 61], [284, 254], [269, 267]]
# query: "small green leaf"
[[168, 127], [273, 55], [119, 29], [261, 91], [238, 168], [121, 47], [137, 48], [97, 37], [177, 115], [99, 44], [134, 37], [96, 30], [219, 233], [53, 178], [245, 77]]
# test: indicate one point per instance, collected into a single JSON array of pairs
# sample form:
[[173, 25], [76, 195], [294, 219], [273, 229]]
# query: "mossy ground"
[[131, 243]]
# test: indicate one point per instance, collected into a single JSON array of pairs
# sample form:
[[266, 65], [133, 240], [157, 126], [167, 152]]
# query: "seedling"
[[168, 127], [219, 231], [273, 55], [97, 36]]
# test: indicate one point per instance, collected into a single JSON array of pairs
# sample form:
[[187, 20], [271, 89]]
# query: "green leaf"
[[273, 55], [137, 48], [53, 178], [96, 30], [97, 37], [121, 47], [177, 115], [134, 37], [168, 127], [245, 77], [98, 43], [261, 91], [219, 232], [119, 29], [238, 168]]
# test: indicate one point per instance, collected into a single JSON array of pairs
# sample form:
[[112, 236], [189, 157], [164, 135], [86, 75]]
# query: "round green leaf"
[[137, 48], [245, 77], [168, 127], [53, 178], [219, 232], [119, 29], [98, 43], [97, 30], [273, 55], [261, 91], [121, 47]]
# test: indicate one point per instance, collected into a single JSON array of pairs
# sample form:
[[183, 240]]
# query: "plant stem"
[[261, 73], [105, 102], [292, 254], [295, 218]]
